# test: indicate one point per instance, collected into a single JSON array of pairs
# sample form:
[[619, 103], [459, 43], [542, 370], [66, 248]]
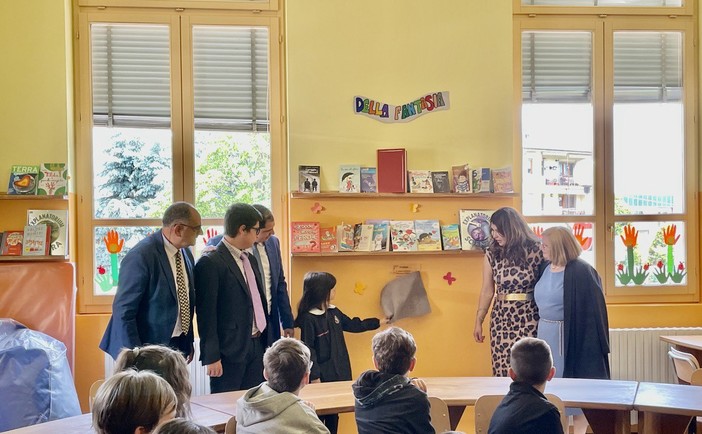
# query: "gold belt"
[[521, 296]]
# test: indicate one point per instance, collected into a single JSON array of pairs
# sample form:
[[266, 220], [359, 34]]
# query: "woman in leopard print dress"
[[510, 271]]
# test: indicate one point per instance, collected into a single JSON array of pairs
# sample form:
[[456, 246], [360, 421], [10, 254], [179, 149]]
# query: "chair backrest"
[[684, 365], [439, 415], [485, 407], [230, 427], [93, 391]]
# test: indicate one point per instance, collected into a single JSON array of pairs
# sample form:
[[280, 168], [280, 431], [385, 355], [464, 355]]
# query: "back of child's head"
[[285, 364], [393, 350], [316, 289], [183, 426], [166, 362], [131, 399], [531, 361]]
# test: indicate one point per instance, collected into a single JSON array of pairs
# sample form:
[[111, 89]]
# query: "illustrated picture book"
[[363, 237], [440, 182], [481, 180], [37, 240], [502, 180], [381, 235], [12, 243], [451, 237], [462, 181], [309, 179], [475, 229], [344, 237], [327, 239], [57, 220], [52, 179], [403, 236], [428, 234], [420, 181], [304, 237], [349, 179], [23, 180], [369, 180]]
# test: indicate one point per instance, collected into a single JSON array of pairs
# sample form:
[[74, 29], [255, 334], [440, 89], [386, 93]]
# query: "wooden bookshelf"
[[54, 258], [5, 196], [337, 195], [394, 254]]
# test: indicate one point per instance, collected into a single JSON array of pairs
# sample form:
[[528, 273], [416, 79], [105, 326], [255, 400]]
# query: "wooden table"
[[606, 403], [688, 343], [667, 408]]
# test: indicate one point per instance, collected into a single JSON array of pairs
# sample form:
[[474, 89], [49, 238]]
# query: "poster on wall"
[[384, 112]]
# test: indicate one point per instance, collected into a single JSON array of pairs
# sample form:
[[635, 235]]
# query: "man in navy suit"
[[232, 314], [155, 296], [266, 249]]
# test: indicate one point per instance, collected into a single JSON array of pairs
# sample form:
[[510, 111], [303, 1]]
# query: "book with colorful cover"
[[451, 237], [327, 239], [403, 236], [363, 237], [369, 180], [462, 179], [52, 179], [309, 179], [502, 180], [57, 220], [349, 178], [304, 237], [440, 182], [381, 235], [482, 180], [344, 237], [23, 180], [475, 228], [12, 243], [428, 234], [37, 240], [420, 181]]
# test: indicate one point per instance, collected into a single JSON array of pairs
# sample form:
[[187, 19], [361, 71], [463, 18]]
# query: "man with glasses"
[[155, 296], [232, 312]]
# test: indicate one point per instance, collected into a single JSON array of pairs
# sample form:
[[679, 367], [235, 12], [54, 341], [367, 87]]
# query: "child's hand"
[[309, 404], [316, 381], [419, 384]]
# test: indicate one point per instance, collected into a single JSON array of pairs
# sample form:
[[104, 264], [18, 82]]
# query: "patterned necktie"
[[257, 255], [259, 315], [182, 291]]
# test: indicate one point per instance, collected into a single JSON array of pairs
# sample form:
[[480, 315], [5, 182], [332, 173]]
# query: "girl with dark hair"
[[323, 326], [510, 272]]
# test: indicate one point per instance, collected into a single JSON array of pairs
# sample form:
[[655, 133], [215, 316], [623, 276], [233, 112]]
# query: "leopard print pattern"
[[512, 320]]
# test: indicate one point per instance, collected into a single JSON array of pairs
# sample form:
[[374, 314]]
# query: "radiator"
[[640, 355], [198, 373]]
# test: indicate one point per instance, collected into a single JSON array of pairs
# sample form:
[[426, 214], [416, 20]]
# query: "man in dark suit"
[[266, 250], [232, 315], [155, 295]]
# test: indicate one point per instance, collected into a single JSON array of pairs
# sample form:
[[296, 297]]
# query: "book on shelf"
[[420, 181], [381, 235], [52, 179], [482, 180], [309, 178], [327, 239], [428, 235], [349, 178], [12, 243], [392, 170], [23, 180], [462, 181], [369, 180], [440, 181], [502, 180], [344, 237], [403, 236], [474, 228], [304, 237], [37, 240], [363, 237], [57, 220], [450, 237]]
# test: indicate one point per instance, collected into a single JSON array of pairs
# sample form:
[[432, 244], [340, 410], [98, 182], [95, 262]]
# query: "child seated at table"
[[274, 406], [525, 409], [183, 426], [132, 402], [165, 362], [387, 400]]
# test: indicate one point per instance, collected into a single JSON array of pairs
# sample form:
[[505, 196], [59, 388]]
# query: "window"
[[174, 106], [608, 144]]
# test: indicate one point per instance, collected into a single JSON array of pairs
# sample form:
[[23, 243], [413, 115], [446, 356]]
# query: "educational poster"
[[409, 111]]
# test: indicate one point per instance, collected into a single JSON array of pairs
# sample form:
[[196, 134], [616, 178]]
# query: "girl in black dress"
[[323, 326]]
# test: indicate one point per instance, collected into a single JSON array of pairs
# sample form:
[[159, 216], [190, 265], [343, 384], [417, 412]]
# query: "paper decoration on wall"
[[409, 111], [414, 207], [360, 288], [578, 232], [317, 208], [113, 244], [404, 297], [449, 278], [630, 271]]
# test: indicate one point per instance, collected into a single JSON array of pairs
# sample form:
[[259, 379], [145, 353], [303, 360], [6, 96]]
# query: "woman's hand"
[[478, 331]]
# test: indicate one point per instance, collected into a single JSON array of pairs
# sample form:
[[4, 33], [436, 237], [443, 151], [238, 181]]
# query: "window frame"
[[604, 216], [182, 128], [688, 8]]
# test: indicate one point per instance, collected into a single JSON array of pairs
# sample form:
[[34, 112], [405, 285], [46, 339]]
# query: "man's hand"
[[191, 355], [215, 369]]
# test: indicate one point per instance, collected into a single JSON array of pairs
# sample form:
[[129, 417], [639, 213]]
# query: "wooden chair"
[[230, 427], [439, 415], [485, 406], [93, 391], [685, 365]]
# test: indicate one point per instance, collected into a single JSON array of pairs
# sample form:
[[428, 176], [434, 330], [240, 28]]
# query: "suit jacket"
[[224, 307], [145, 307]]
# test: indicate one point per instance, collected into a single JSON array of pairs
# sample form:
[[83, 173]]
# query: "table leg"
[[455, 414], [608, 421], [654, 423]]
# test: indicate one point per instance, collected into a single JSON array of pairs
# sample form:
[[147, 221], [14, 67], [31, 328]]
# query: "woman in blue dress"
[[573, 314]]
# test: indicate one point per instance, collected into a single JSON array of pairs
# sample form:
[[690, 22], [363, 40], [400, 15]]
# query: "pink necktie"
[[259, 315]]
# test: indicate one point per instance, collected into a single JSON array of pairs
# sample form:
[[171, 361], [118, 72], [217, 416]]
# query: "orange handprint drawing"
[[113, 242], [578, 232], [538, 231], [211, 232]]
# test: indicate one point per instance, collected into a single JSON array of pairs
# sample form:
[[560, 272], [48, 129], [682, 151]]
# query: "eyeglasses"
[[197, 228], [257, 229]]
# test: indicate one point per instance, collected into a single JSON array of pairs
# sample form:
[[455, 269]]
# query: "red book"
[[392, 170], [12, 243], [304, 237]]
